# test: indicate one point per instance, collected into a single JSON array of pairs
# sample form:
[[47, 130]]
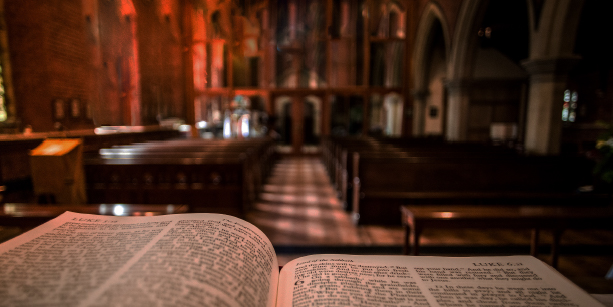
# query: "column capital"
[[458, 84], [421, 94], [551, 66]]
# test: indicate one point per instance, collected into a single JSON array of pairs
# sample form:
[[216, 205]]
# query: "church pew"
[[451, 150], [382, 185], [260, 149], [15, 170], [333, 147], [208, 177], [251, 169], [28, 215], [345, 168], [260, 152], [204, 184], [410, 147], [536, 218], [336, 151]]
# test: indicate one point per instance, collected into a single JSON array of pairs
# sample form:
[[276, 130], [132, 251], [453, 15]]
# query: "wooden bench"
[[209, 176], [344, 149], [553, 218], [259, 153], [206, 185], [15, 172], [337, 153], [251, 172], [31, 215], [382, 185]]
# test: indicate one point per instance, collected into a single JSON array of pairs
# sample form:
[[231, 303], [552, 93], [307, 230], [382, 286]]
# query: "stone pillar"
[[457, 110], [419, 111], [548, 77]]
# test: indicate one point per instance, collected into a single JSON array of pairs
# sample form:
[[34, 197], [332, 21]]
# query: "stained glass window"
[[569, 108], [3, 114]]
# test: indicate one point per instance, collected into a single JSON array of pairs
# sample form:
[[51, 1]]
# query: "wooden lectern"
[[57, 170]]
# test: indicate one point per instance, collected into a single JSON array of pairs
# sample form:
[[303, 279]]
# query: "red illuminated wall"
[[160, 59], [122, 57], [49, 59], [116, 49]]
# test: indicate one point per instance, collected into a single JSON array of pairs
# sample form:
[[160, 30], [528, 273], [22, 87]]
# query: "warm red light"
[[217, 64], [199, 56], [445, 215], [198, 26], [166, 7], [127, 8]]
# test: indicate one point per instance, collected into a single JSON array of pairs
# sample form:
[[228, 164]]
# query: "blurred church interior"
[[531, 76]]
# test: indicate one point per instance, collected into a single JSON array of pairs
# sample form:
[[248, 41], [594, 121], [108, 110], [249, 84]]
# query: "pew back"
[[208, 175], [383, 184]]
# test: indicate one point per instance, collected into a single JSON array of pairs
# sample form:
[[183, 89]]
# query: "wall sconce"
[[59, 109], [75, 108]]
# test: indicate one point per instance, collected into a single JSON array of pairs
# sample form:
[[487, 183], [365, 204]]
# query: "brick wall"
[[50, 61], [160, 60], [125, 65]]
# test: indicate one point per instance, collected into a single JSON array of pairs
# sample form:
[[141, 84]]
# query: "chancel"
[[438, 127]]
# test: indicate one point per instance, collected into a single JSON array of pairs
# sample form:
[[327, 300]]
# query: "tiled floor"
[[299, 211], [298, 206]]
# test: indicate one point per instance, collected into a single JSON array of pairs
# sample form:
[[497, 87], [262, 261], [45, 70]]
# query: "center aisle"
[[300, 213]]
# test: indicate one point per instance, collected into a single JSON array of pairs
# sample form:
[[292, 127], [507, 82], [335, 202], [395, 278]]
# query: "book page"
[[174, 260], [346, 280]]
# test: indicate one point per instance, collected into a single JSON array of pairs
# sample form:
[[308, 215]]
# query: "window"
[[3, 113], [569, 108]]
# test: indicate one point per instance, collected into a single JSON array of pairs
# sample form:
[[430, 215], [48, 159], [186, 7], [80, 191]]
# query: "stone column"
[[457, 110], [419, 106], [548, 77]]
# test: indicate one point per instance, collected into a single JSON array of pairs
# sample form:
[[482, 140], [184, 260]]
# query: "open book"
[[217, 260]]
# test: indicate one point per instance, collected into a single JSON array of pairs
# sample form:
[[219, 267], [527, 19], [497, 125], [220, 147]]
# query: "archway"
[[312, 120], [486, 82], [430, 65], [552, 38], [434, 109]]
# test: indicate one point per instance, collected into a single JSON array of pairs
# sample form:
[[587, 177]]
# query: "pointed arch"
[[432, 15], [555, 36], [432, 29], [464, 40]]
